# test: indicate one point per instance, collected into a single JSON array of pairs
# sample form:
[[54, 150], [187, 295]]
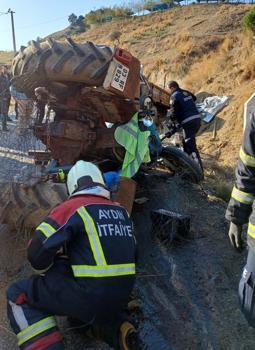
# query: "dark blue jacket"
[[183, 107], [241, 207], [96, 234]]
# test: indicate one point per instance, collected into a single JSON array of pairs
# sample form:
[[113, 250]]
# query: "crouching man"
[[87, 247]]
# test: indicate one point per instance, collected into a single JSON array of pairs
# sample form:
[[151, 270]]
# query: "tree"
[[103, 14], [80, 22], [72, 19]]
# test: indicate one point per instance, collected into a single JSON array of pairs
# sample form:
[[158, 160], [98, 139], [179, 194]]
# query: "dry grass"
[[6, 57], [205, 49]]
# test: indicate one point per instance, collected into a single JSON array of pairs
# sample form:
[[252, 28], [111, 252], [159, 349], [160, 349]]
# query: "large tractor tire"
[[181, 164], [60, 61], [23, 207]]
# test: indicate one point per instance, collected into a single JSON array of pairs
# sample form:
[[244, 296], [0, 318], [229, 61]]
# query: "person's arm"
[[48, 239], [243, 194], [174, 110]]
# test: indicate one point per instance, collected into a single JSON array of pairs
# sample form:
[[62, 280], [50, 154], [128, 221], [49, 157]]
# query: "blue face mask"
[[147, 122]]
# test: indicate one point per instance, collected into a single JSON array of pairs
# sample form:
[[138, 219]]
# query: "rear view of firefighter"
[[241, 211], [86, 248]]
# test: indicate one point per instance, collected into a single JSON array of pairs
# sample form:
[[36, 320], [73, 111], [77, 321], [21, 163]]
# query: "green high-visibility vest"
[[136, 143]]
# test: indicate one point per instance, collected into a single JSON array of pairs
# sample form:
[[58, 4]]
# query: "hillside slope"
[[205, 49], [6, 57]]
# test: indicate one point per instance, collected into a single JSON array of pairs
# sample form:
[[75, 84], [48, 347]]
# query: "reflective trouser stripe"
[[242, 197], [35, 329], [246, 158], [94, 240], [103, 271], [46, 229], [189, 119]]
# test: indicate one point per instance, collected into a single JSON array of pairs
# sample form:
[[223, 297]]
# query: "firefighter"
[[4, 97], [183, 110], [239, 212], [42, 97], [84, 252], [25, 107]]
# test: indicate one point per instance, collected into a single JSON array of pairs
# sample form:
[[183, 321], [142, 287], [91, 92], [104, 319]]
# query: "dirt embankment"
[[205, 49]]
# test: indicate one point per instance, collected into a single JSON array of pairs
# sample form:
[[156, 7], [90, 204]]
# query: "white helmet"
[[84, 175]]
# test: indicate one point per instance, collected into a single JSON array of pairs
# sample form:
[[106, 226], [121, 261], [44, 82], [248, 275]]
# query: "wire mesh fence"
[[14, 149]]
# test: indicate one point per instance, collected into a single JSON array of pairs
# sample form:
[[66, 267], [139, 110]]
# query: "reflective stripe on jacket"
[[240, 206], [94, 233], [183, 107]]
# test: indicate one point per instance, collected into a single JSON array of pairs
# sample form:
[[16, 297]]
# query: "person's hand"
[[235, 237]]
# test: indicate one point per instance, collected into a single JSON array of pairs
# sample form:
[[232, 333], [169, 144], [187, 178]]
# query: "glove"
[[235, 236], [168, 114]]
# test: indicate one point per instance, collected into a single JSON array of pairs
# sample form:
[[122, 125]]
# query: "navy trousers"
[[33, 302], [247, 289]]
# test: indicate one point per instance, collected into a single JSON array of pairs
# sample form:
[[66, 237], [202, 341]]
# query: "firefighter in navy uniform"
[[183, 110], [241, 211], [86, 248]]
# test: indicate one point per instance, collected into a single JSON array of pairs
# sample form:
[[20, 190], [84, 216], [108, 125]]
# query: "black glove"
[[235, 236]]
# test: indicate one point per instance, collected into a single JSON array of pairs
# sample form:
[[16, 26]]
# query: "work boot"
[[128, 337]]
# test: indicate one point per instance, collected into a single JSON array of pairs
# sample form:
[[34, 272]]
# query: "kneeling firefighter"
[[86, 245], [240, 211]]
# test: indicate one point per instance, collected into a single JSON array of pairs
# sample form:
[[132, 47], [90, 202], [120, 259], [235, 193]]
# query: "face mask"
[[147, 122]]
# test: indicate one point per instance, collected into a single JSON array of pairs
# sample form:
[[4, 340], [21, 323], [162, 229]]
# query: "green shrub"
[[249, 20], [105, 14]]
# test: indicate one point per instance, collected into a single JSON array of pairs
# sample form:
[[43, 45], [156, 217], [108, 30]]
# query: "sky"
[[38, 18]]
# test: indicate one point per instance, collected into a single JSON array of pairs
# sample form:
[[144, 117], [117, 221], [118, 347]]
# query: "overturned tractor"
[[90, 91], [88, 86]]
